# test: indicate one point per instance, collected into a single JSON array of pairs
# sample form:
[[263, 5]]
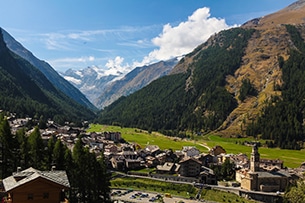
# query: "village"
[[186, 165]]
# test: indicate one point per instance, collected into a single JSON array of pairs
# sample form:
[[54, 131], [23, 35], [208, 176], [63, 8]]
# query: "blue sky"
[[121, 34]]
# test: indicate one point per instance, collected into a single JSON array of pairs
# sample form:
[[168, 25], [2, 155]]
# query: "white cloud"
[[55, 41], [171, 42], [72, 60], [91, 58], [183, 38], [116, 66], [69, 40]]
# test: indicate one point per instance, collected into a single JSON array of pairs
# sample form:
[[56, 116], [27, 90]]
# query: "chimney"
[[53, 168], [19, 169]]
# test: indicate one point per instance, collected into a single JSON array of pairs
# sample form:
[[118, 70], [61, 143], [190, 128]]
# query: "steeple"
[[254, 160]]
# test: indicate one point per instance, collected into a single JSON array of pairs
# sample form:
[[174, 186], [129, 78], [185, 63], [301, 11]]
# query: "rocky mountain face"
[[259, 63], [134, 80], [91, 81], [58, 81], [215, 79], [103, 89]]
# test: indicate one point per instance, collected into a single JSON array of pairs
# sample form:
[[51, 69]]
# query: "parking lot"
[[138, 196]]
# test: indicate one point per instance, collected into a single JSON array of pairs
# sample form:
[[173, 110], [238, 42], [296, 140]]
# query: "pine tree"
[[50, 148], [23, 155], [36, 150], [89, 176], [59, 155], [8, 149], [103, 180]]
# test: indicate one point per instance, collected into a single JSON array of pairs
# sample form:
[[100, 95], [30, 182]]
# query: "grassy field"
[[143, 138], [180, 190], [291, 158]]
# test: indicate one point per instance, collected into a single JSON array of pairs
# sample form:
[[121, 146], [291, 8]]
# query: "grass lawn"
[[291, 158], [181, 190]]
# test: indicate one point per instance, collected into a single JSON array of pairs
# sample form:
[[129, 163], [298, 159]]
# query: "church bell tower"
[[254, 160]]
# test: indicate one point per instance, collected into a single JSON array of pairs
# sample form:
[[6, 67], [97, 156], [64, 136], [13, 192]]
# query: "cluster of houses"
[[253, 172]]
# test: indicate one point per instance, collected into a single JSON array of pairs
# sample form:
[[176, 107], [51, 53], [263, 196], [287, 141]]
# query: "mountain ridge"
[[135, 80], [103, 89], [47, 70], [220, 76], [25, 90]]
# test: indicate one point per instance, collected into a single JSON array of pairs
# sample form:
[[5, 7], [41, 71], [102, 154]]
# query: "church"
[[256, 179]]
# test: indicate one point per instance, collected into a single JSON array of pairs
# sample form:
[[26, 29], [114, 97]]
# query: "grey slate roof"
[[272, 174], [30, 174]]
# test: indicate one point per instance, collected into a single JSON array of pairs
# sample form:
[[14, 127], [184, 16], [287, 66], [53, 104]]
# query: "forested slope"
[[175, 103], [26, 91], [246, 81]]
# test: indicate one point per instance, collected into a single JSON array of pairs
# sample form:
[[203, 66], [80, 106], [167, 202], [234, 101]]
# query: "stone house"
[[151, 161], [152, 150], [117, 162], [240, 160], [206, 159], [168, 168], [113, 136], [126, 160], [190, 151], [161, 158], [131, 164], [190, 167], [269, 163], [111, 148], [207, 176], [217, 150]]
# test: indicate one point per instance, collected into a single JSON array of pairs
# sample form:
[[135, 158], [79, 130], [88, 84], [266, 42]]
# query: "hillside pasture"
[[143, 138], [291, 158]]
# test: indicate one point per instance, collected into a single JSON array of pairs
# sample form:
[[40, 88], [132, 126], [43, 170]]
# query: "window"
[[30, 196], [45, 195]]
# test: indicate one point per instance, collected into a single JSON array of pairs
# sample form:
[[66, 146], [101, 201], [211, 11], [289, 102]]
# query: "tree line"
[[87, 173]]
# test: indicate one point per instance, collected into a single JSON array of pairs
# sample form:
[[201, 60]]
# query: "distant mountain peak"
[[296, 5], [103, 87], [58, 81], [25, 90]]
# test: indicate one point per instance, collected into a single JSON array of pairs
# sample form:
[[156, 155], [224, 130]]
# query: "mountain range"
[[54, 77], [245, 81], [25, 90], [103, 89]]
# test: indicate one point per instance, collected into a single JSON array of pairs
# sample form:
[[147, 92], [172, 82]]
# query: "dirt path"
[[206, 146]]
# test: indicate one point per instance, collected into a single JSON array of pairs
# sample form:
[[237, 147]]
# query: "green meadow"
[[291, 158], [143, 138]]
